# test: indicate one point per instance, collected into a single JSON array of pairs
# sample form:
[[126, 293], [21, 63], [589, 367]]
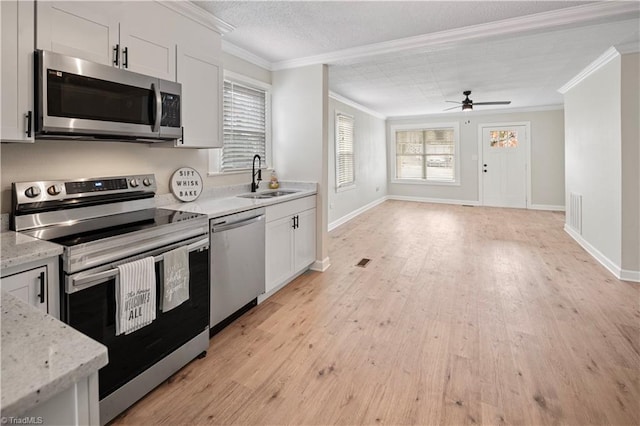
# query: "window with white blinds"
[[426, 153], [345, 164], [245, 126]]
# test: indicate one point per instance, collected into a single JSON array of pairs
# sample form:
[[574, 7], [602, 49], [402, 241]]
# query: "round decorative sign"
[[186, 184]]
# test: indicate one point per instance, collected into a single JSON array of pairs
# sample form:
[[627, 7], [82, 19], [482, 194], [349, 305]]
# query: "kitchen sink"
[[267, 194]]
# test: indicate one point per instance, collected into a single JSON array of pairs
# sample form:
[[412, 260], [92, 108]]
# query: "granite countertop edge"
[[19, 249], [38, 365]]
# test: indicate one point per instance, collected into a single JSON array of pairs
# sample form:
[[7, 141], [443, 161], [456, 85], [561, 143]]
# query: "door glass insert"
[[503, 139]]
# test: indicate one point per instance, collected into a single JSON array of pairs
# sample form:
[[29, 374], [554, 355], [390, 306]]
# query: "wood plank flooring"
[[465, 315]]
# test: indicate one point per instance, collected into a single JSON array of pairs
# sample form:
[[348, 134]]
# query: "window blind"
[[244, 126], [345, 166]]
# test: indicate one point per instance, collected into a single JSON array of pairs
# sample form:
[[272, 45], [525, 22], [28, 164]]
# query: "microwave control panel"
[[170, 110]]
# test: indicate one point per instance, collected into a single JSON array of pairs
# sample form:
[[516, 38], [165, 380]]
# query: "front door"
[[504, 165]]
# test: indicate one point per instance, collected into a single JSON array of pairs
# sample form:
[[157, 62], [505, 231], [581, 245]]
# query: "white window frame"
[[426, 126], [352, 184], [215, 154]]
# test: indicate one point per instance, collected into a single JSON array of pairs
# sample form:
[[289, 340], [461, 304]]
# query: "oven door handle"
[[98, 277]]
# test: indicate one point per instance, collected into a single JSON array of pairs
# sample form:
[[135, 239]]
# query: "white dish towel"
[[135, 295], [175, 287]]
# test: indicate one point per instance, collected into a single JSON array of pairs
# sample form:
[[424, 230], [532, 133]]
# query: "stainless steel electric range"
[[102, 223]]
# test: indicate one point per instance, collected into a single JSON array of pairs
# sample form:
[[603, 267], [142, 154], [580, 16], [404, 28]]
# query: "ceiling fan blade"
[[493, 103], [454, 102], [454, 107]]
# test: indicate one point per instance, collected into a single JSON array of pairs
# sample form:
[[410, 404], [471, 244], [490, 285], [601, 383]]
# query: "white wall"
[[630, 162], [370, 163], [593, 157], [300, 108], [547, 157]]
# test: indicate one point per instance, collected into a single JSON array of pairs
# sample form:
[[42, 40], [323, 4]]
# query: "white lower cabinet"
[[36, 283], [75, 406], [29, 286], [290, 240]]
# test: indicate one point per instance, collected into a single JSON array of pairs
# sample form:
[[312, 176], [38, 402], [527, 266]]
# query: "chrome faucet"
[[255, 182]]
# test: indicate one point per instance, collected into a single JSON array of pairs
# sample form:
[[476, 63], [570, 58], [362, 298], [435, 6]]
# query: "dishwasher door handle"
[[234, 225]]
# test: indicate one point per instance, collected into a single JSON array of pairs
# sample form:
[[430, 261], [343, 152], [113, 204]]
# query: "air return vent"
[[574, 218]]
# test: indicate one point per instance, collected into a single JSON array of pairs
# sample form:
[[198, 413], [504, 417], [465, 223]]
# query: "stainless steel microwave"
[[81, 99]]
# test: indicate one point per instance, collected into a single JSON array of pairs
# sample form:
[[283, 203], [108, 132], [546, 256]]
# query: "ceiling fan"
[[468, 103]]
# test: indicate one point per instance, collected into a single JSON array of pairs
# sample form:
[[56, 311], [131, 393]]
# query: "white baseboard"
[[433, 200], [619, 273], [344, 219], [320, 265], [548, 207], [628, 275]]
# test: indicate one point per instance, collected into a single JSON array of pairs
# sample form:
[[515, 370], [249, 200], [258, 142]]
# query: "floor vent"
[[363, 262], [574, 218]]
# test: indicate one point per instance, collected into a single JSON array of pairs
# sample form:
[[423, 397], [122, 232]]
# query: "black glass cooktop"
[[89, 230]]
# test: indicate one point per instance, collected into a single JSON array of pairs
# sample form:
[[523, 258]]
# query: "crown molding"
[[626, 48], [241, 53], [356, 105], [569, 16], [199, 15], [610, 54]]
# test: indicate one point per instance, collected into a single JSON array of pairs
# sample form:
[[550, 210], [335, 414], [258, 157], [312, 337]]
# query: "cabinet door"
[[29, 286], [148, 35], [17, 70], [86, 30], [201, 78], [305, 240], [279, 256]]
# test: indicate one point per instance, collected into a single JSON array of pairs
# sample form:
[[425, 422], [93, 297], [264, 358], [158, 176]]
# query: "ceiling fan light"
[[467, 106]]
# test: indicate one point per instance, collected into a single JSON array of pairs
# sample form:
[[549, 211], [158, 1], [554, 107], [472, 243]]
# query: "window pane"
[[409, 167], [425, 153], [440, 147], [503, 139]]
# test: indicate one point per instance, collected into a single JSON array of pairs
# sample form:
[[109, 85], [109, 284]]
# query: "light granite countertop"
[[41, 356], [18, 249], [228, 202]]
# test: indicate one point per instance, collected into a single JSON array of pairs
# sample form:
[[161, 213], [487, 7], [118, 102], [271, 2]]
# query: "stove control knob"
[[32, 192], [147, 182], [134, 183], [54, 189]]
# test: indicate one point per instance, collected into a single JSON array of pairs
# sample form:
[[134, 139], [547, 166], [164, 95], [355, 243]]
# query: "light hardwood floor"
[[465, 315]]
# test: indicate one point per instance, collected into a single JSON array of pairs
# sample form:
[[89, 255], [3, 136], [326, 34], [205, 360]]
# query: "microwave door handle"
[[157, 111]]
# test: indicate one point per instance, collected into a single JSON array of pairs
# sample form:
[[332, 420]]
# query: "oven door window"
[[77, 96], [92, 311]]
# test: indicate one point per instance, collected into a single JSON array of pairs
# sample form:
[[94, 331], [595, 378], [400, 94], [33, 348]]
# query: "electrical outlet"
[[377, 188]]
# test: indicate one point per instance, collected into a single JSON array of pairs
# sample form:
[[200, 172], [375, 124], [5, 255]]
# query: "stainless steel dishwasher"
[[237, 265]]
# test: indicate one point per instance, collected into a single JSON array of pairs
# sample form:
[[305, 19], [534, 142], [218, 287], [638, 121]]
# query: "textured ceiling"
[[526, 67]]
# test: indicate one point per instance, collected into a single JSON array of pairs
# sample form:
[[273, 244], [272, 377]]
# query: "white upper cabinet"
[[17, 71], [86, 30], [110, 33], [148, 46], [201, 76]]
